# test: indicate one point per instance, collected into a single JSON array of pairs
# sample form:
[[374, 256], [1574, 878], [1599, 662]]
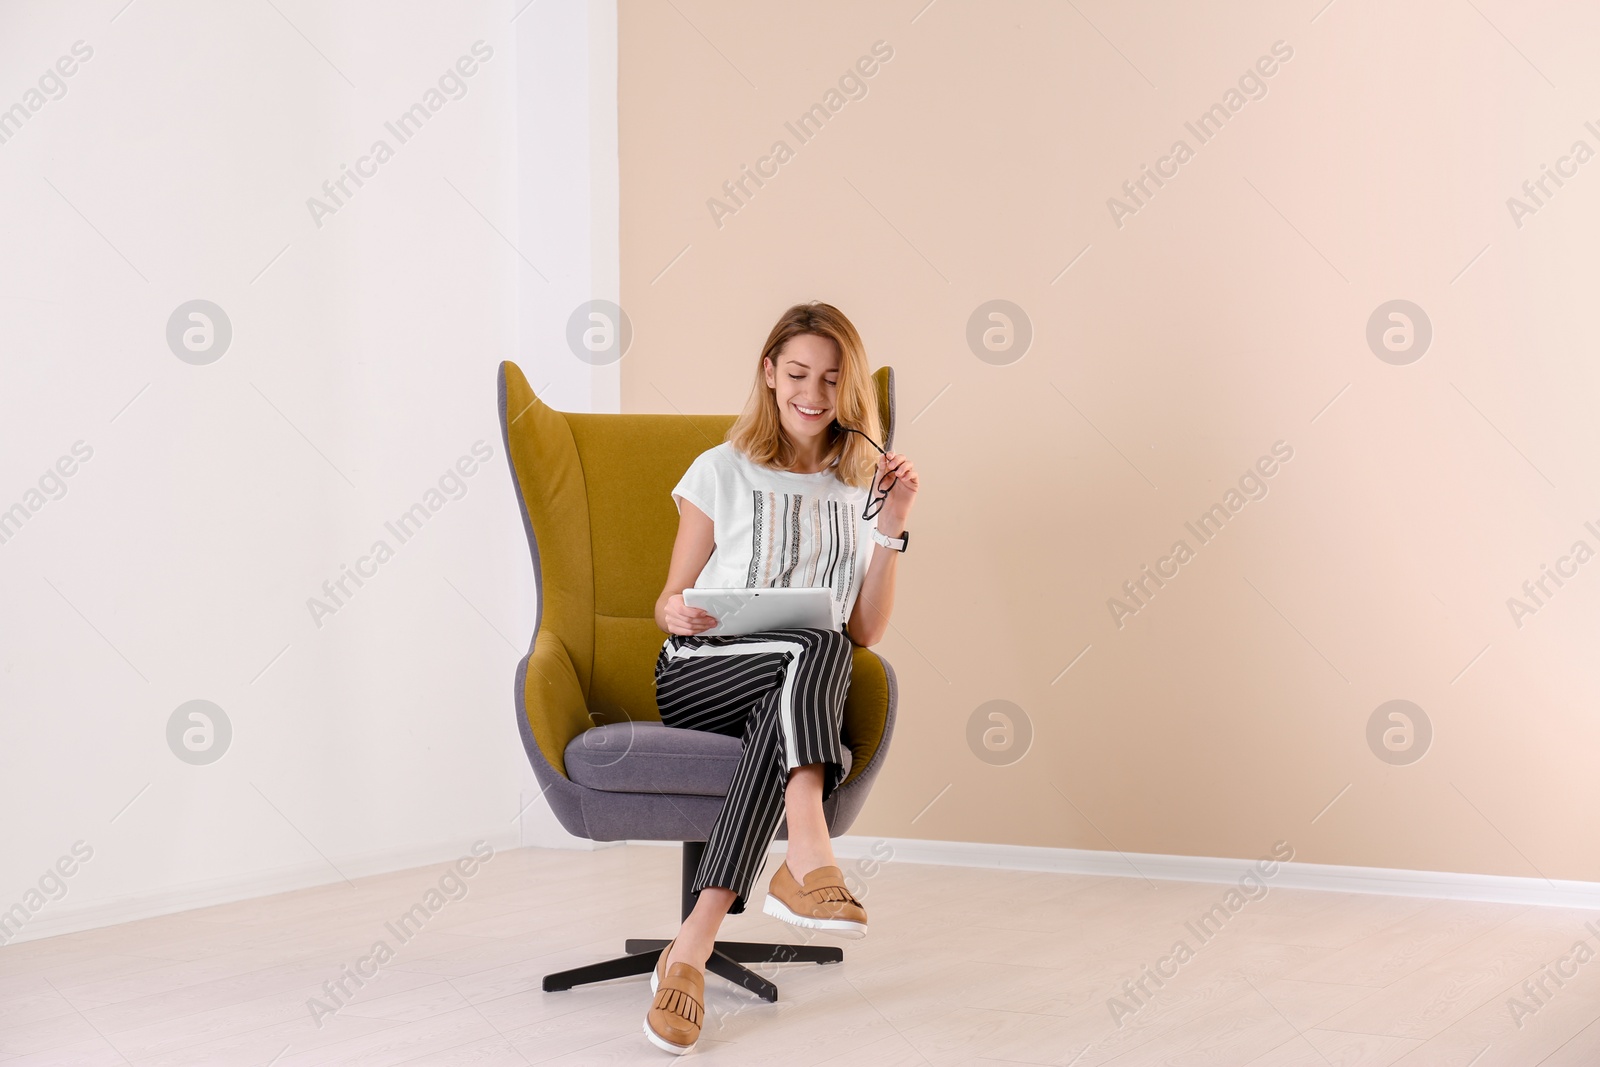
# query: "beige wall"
[[1227, 314]]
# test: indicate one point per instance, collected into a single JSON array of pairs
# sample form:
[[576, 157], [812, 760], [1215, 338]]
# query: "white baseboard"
[[65, 918], [1443, 885]]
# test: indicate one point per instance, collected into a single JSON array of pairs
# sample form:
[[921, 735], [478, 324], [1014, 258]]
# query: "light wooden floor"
[[963, 966]]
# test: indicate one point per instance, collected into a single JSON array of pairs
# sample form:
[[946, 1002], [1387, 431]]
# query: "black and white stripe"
[[782, 692]]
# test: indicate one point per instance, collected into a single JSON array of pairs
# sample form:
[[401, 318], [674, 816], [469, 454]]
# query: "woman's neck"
[[808, 463]]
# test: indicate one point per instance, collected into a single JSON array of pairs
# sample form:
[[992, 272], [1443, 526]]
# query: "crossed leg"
[[810, 847], [783, 692]]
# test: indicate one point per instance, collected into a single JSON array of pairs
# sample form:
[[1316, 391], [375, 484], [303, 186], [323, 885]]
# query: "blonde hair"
[[758, 431]]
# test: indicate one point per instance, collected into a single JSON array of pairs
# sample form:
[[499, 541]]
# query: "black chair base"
[[727, 958]]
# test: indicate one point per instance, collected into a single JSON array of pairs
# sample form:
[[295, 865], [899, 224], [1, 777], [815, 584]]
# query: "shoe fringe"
[[834, 893], [679, 1003]]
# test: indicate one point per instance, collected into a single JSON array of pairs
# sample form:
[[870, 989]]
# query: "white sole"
[[665, 1046], [838, 927]]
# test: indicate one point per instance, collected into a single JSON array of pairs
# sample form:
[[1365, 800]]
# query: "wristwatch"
[[897, 543]]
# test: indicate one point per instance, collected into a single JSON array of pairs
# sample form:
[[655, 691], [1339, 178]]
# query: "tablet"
[[746, 611]]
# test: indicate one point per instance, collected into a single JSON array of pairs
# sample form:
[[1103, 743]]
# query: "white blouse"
[[779, 528]]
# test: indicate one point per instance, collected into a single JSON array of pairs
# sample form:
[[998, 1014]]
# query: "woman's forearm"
[[870, 619]]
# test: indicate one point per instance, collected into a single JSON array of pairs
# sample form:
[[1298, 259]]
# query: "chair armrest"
[[552, 700], [868, 709]]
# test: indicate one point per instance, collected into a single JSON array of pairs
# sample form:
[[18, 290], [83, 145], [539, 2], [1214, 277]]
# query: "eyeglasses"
[[874, 503]]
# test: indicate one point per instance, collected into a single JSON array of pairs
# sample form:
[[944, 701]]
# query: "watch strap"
[[897, 544]]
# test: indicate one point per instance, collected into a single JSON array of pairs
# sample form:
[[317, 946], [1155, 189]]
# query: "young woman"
[[779, 503]]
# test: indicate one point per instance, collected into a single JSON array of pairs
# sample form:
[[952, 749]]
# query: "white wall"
[[566, 118], [218, 498]]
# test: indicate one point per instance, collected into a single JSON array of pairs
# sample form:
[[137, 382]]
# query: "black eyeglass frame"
[[874, 503]]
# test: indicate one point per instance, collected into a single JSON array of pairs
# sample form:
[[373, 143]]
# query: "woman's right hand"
[[682, 619]]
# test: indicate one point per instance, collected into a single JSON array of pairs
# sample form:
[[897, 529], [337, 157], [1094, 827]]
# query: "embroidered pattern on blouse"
[[790, 535], [755, 543]]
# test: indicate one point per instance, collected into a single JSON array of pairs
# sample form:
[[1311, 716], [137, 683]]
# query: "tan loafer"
[[821, 902], [673, 1022], [661, 965]]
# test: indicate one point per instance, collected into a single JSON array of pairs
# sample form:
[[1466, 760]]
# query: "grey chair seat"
[[648, 757]]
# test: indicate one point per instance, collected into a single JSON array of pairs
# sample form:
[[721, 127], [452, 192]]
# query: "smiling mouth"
[[808, 413]]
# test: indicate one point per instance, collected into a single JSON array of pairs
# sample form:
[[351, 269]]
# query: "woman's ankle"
[[803, 862], [692, 947]]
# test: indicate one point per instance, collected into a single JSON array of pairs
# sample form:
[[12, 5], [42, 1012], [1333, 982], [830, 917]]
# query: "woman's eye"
[[798, 377]]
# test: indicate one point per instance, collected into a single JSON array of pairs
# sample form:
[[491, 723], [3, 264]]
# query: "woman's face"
[[806, 382]]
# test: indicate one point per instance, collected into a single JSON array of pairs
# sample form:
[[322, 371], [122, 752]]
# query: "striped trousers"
[[781, 692]]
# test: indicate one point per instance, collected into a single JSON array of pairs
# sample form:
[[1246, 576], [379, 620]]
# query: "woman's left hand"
[[902, 493]]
